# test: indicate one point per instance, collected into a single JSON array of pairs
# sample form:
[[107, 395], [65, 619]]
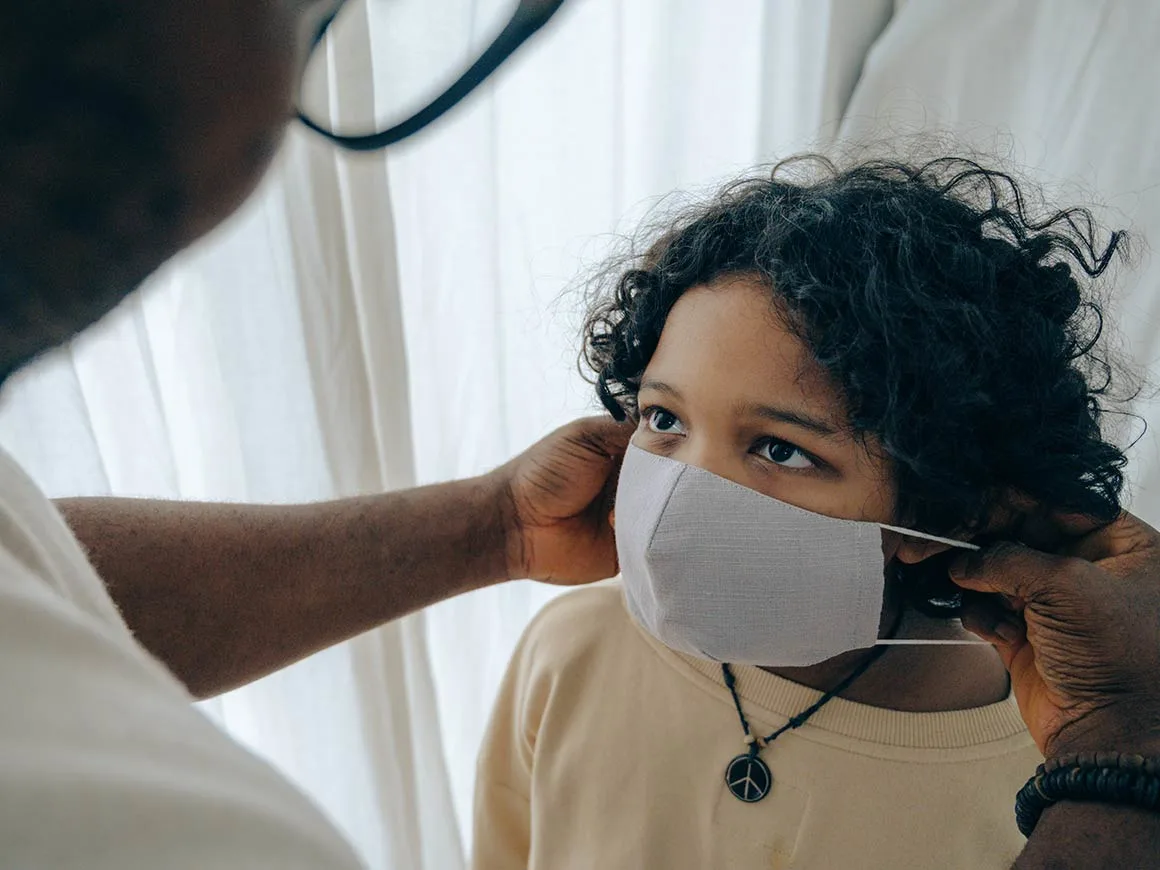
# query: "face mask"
[[721, 572]]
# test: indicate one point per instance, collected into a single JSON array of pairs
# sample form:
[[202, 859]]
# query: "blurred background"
[[381, 321]]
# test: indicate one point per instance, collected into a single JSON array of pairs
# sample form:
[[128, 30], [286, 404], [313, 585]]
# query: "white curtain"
[[369, 323]]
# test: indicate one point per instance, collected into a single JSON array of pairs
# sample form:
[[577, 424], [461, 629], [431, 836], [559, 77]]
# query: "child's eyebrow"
[[660, 387], [792, 417], [755, 409]]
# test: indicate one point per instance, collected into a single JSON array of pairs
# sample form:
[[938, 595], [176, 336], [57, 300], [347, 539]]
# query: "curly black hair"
[[962, 329]]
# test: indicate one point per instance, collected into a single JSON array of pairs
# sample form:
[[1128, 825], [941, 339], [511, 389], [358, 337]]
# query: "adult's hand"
[[225, 593], [558, 496], [1079, 632]]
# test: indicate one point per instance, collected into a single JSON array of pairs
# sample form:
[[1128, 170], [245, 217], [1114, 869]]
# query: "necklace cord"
[[801, 718], [731, 683]]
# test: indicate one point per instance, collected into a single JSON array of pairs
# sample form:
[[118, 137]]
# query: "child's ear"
[[914, 550], [908, 550], [612, 519], [1009, 514]]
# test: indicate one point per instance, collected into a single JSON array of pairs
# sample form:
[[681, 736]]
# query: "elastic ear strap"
[[910, 533]]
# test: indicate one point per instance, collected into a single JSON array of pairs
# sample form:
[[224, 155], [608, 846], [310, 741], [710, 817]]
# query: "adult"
[[128, 128]]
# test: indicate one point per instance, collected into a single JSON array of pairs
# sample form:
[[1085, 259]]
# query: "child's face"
[[732, 391]]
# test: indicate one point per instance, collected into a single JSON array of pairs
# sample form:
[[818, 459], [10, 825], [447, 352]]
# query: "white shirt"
[[104, 762]]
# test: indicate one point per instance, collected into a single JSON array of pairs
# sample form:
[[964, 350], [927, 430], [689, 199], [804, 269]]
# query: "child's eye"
[[663, 422], [783, 453]]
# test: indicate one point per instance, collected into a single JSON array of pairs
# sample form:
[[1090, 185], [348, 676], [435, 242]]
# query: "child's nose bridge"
[[716, 457]]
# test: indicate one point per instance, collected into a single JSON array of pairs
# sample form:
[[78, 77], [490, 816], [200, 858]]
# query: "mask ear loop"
[[890, 640], [950, 542]]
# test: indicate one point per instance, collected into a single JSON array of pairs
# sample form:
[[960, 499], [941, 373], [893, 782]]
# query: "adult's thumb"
[[603, 435], [1004, 568]]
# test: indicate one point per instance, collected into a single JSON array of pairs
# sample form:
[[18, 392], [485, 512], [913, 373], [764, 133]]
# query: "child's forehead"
[[730, 338]]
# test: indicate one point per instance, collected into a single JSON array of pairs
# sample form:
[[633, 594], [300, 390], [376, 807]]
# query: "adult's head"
[[128, 128]]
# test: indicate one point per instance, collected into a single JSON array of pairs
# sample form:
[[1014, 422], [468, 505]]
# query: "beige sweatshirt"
[[607, 750]]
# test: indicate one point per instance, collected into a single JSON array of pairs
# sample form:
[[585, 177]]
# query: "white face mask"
[[722, 572]]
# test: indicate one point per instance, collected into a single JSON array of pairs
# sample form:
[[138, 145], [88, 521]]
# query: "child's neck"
[[917, 679]]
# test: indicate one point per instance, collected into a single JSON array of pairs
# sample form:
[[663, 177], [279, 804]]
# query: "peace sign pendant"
[[748, 777]]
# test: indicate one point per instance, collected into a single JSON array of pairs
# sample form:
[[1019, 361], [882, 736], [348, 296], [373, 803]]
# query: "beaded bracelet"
[[1100, 777]]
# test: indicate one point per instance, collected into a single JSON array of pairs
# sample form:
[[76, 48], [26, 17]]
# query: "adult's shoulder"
[[104, 763]]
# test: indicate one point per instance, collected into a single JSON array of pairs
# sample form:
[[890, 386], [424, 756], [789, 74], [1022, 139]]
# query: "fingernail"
[[957, 567], [966, 565]]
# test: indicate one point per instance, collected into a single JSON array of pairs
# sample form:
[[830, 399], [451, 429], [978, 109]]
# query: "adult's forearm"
[[1078, 836], [224, 594]]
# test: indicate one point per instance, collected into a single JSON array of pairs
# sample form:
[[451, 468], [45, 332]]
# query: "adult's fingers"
[[1019, 571], [1124, 535], [1007, 568], [993, 617], [602, 434], [1052, 532]]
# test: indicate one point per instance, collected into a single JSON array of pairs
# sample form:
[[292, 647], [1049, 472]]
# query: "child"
[[892, 345]]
